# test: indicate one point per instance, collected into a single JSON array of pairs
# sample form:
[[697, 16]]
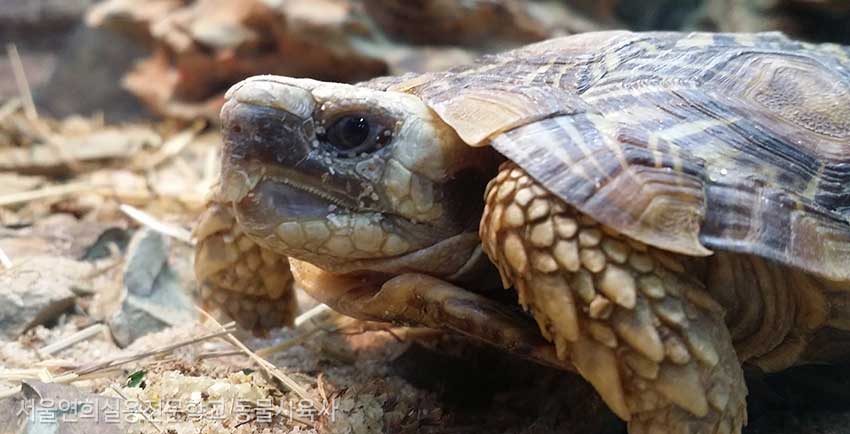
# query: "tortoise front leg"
[[646, 334], [253, 285], [421, 300]]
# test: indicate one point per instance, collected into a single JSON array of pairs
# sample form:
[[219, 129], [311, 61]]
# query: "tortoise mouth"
[[274, 202], [306, 223]]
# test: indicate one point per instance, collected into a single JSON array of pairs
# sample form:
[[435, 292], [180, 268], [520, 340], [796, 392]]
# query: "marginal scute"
[[480, 112]]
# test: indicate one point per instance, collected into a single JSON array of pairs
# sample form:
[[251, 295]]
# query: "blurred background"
[[175, 57], [109, 143]]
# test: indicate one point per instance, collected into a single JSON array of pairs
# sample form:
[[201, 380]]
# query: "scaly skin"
[[632, 320], [253, 285]]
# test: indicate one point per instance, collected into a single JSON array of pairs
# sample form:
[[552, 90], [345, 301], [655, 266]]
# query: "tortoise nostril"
[[237, 128]]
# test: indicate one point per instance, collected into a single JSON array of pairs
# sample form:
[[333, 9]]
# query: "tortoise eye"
[[350, 134]]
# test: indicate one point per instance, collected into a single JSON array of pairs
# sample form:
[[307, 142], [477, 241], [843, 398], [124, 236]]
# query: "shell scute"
[[687, 142]]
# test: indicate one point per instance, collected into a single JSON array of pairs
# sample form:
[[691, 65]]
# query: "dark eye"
[[350, 133]]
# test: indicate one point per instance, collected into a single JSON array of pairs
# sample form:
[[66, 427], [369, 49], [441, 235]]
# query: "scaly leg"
[[643, 332], [420, 300], [251, 284]]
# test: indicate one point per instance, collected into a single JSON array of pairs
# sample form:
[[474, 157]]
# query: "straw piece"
[[157, 225], [172, 147], [4, 260], [45, 192], [141, 411], [287, 344], [119, 361], [270, 369], [9, 108], [310, 314], [73, 339], [21, 81]]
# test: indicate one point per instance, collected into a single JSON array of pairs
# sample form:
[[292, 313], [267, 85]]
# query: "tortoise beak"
[[269, 135], [264, 124], [270, 171]]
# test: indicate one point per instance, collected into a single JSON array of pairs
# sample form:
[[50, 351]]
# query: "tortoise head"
[[350, 178]]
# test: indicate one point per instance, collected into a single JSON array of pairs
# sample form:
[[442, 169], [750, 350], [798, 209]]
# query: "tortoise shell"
[[688, 142]]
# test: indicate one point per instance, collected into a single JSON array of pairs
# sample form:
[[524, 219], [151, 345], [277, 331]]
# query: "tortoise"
[[666, 205]]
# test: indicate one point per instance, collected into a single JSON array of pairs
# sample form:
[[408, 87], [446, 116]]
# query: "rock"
[[71, 69], [60, 235], [87, 77], [46, 407], [153, 298], [37, 290]]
